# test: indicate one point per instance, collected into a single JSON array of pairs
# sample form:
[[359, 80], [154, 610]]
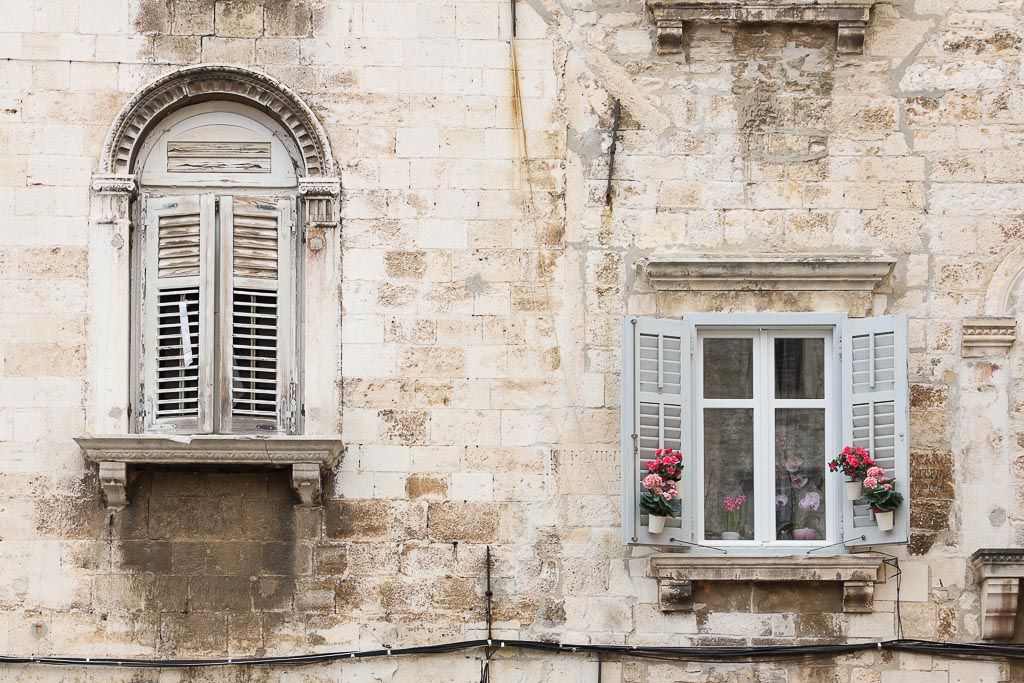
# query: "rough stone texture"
[[481, 301]]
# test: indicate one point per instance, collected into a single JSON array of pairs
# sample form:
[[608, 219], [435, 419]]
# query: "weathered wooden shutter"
[[656, 411], [178, 313], [876, 417], [256, 385]]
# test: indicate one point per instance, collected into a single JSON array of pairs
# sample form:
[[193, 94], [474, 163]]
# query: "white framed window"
[[758, 403]]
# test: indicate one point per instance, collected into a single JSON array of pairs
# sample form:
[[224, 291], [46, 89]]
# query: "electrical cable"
[[668, 653]]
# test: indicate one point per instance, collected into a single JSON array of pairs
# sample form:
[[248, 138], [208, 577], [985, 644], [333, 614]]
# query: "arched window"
[[211, 236], [216, 258]]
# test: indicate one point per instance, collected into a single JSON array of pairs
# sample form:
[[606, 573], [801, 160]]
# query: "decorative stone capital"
[[320, 197], [768, 272], [849, 16], [989, 336], [999, 571], [319, 186], [305, 455], [677, 572], [113, 183]]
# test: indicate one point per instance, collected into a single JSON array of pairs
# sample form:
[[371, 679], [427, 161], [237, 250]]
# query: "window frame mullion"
[[222, 377]]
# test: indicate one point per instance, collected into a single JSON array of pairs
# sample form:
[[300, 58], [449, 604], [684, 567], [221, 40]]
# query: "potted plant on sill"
[[854, 463], [660, 487], [883, 498], [733, 516], [809, 504]]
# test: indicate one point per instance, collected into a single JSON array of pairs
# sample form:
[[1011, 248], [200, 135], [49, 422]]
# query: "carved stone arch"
[[994, 332], [1004, 284], [205, 82]]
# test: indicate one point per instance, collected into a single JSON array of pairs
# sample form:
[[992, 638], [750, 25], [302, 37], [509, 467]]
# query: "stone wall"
[[482, 294]]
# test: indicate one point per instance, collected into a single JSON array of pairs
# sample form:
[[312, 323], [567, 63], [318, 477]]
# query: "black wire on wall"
[[675, 654]]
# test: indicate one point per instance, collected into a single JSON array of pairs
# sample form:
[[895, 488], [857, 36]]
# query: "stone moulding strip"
[[672, 17], [676, 573], [988, 336], [304, 455], [999, 571], [768, 272]]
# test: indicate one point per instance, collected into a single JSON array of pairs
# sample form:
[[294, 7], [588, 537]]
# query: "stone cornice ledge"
[[849, 16], [305, 455], [767, 272], [676, 572]]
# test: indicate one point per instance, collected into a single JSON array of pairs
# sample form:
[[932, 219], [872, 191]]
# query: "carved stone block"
[[306, 483], [999, 571], [986, 337], [675, 596], [859, 596], [114, 481]]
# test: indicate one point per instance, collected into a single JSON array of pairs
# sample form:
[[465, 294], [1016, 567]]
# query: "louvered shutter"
[[255, 383], [178, 313], [876, 416], [655, 414]]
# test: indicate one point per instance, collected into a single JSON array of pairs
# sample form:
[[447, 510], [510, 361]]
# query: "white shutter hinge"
[[290, 409]]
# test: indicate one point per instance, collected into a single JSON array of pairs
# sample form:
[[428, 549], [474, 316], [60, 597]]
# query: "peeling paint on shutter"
[[178, 313], [256, 343]]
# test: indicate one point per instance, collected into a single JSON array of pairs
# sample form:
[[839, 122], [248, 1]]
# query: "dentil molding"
[[304, 455], [988, 336]]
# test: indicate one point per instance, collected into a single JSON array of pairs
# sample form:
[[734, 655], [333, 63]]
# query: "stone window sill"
[[676, 573], [849, 16], [305, 455]]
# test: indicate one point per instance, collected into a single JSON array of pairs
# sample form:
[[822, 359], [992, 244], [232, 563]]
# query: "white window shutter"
[[178, 314], [656, 412], [876, 416], [256, 387]]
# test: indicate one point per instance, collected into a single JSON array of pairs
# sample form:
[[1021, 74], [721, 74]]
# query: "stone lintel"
[[849, 16], [988, 336], [768, 272], [305, 455], [676, 573], [999, 571]]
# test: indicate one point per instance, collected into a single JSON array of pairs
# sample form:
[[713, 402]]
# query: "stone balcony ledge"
[[849, 16], [305, 455], [676, 573]]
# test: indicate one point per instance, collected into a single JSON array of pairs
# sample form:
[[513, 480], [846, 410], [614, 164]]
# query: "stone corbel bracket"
[[320, 196], [988, 336], [999, 571], [676, 574], [306, 456], [849, 16]]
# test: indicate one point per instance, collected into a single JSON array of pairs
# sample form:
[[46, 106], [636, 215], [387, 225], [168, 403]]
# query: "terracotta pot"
[[884, 520], [730, 535], [805, 534], [853, 490], [655, 524]]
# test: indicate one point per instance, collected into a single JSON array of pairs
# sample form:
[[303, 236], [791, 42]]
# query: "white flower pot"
[[655, 524], [884, 520], [730, 535], [853, 490]]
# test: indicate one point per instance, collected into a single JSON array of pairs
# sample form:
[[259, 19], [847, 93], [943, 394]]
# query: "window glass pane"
[[728, 368], [800, 474], [729, 473], [800, 368]]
